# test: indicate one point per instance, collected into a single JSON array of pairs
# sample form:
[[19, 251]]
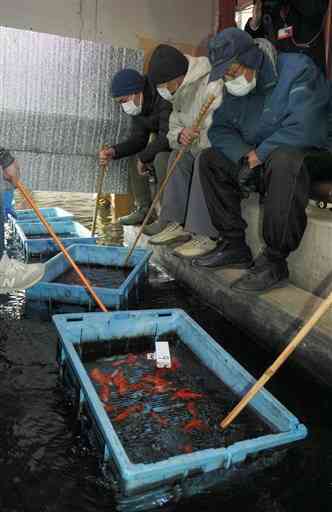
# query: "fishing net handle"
[[99, 187], [203, 112]]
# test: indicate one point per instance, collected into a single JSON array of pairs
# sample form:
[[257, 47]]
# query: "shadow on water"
[[45, 468]]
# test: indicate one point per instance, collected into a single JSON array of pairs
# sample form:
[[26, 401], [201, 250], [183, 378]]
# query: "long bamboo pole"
[[278, 362], [100, 183], [201, 116], [169, 173], [57, 240]]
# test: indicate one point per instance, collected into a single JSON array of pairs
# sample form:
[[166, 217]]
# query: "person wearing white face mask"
[[269, 136], [240, 86], [147, 141], [183, 80], [129, 106]]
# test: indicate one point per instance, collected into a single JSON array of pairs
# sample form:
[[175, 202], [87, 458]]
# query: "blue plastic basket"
[[168, 478], [46, 246], [115, 298], [8, 200], [51, 214]]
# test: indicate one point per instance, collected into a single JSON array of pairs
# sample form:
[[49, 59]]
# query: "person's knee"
[[214, 163], [206, 157], [161, 160], [286, 158]]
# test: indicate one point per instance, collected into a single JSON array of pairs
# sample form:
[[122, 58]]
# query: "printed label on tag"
[[285, 33], [163, 356]]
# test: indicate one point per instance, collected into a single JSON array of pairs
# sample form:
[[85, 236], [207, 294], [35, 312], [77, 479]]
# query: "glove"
[[248, 178], [151, 174]]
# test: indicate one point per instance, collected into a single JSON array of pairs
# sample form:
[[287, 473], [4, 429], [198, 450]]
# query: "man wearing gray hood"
[[271, 133]]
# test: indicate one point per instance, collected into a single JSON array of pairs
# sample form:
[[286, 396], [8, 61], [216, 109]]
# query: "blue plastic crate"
[[51, 214], [69, 232], [115, 298], [186, 474]]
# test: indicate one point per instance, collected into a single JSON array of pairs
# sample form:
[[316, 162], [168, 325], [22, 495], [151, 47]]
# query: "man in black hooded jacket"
[[292, 26], [150, 117]]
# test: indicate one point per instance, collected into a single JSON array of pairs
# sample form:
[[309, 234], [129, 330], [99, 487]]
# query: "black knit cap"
[[127, 81], [166, 64]]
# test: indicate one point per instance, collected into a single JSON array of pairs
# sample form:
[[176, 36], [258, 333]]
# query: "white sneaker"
[[197, 246], [172, 233], [15, 275]]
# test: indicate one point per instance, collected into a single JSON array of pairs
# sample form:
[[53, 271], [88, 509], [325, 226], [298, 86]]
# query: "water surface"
[[45, 468]]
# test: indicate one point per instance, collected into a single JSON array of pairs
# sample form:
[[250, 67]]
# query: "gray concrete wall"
[[311, 264], [115, 21]]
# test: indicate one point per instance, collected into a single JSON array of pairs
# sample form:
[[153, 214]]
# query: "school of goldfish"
[[150, 385]]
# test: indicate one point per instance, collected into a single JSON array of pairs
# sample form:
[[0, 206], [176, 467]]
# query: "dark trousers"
[[139, 186], [286, 181]]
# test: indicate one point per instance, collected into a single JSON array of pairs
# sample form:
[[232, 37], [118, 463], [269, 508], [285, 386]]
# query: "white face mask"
[[164, 93], [130, 108], [240, 86]]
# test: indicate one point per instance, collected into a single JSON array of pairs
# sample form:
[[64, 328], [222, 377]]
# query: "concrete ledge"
[[311, 264], [270, 319]]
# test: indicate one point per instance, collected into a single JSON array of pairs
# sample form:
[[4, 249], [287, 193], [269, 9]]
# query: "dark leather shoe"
[[225, 256], [264, 275]]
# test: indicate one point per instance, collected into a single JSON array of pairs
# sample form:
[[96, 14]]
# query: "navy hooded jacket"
[[288, 107]]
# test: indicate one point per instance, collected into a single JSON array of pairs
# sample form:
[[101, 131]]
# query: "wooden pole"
[[278, 362], [328, 34], [169, 173], [57, 240], [201, 116], [100, 182]]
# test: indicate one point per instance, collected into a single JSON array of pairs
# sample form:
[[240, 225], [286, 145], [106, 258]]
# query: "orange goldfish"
[[187, 448], [195, 424], [192, 409], [100, 377], [163, 421], [104, 393], [128, 412], [186, 394], [108, 407], [120, 382], [130, 359]]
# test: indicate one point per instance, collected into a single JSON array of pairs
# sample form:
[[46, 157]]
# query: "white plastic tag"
[[163, 356], [285, 33]]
